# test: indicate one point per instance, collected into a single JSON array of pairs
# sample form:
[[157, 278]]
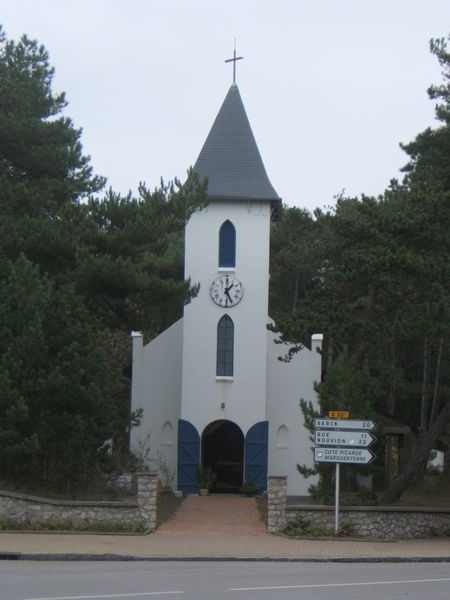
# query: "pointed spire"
[[230, 157]]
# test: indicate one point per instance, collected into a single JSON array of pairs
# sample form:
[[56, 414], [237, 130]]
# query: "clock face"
[[226, 291]]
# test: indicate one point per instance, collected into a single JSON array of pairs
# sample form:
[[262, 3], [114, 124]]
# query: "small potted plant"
[[206, 478]]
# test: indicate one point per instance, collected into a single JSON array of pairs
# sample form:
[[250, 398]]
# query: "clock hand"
[[227, 292]]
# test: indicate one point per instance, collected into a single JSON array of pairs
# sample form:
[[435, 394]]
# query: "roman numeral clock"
[[226, 291]]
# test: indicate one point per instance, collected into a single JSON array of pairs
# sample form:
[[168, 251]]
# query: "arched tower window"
[[227, 245], [225, 347]]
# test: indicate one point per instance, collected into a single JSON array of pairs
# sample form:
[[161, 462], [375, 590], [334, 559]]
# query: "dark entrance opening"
[[223, 453]]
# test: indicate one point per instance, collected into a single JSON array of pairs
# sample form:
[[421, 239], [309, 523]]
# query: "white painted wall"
[[175, 374], [156, 387], [242, 400], [287, 383]]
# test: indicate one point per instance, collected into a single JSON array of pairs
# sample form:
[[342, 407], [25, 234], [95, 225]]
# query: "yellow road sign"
[[338, 414]]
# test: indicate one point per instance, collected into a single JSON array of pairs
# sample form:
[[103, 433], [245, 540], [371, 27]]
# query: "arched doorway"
[[223, 452]]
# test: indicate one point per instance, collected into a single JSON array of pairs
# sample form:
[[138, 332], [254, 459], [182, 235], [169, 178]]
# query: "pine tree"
[[77, 273]]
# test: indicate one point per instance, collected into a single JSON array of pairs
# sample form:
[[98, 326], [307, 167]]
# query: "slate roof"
[[230, 157]]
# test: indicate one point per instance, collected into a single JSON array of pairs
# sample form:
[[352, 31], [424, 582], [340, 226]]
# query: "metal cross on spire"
[[233, 60]]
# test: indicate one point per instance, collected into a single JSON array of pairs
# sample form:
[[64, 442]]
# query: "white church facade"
[[212, 388]]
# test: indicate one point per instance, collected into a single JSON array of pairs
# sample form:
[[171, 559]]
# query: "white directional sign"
[[326, 437], [364, 425], [342, 440], [343, 455]]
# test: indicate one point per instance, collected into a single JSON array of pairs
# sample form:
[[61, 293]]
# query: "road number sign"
[[343, 455], [360, 439], [364, 425], [339, 414]]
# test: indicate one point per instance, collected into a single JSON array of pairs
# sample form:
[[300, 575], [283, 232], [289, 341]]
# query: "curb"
[[134, 558]]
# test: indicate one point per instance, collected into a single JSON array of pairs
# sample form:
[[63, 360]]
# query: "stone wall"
[[22, 508], [276, 503], [370, 521], [376, 521]]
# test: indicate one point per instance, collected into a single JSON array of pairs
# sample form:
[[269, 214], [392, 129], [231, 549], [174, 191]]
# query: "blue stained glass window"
[[227, 245]]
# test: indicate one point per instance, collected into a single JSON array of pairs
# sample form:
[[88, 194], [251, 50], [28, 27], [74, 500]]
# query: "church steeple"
[[211, 385], [230, 157]]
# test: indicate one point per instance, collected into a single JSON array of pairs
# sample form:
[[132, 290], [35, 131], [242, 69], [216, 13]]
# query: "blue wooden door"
[[188, 457], [256, 454]]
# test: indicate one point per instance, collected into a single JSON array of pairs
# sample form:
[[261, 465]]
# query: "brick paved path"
[[217, 513]]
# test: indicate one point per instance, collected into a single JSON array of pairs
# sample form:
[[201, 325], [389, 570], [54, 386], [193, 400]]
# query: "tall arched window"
[[225, 347], [227, 245]]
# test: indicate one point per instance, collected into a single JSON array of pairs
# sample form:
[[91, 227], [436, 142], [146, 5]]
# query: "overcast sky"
[[330, 86]]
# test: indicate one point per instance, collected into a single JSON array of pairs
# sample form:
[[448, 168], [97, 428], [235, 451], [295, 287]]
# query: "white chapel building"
[[212, 388]]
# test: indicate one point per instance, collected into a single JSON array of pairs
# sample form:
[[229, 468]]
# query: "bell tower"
[[213, 391], [224, 373]]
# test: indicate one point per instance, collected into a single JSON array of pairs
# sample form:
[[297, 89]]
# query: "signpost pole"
[[336, 499]]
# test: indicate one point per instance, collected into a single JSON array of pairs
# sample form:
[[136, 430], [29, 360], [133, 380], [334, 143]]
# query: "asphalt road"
[[223, 581]]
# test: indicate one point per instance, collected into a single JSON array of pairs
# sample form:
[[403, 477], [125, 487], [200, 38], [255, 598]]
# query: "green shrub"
[[303, 526], [206, 478], [55, 524], [356, 496], [346, 529], [359, 497], [7, 523]]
